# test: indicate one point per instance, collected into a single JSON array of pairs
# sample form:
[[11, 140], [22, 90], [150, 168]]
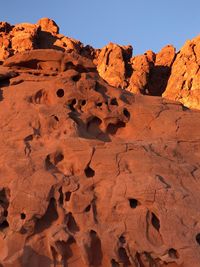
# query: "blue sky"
[[145, 24]]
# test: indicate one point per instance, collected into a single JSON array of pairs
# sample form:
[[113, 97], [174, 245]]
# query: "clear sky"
[[145, 24]]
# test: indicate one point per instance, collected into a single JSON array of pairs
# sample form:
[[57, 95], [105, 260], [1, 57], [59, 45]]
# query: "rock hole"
[[38, 96], [71, 223], [67, 196], [126, 113], [89, 172], [83, 102], [61, 198], [93, 125], [123, 256], [88, 208], [60, 93], [99, 104], [122, 239], [114, 263], [76, 78], [198, 238], [112, 128], [114, 102], [155, 222], [48, 164], [95, 252], [30, 64], [23, 231], [133, 203], [173, 253], [48, 218], [58, 157], [4, 225], [71, 105], [23, 216]]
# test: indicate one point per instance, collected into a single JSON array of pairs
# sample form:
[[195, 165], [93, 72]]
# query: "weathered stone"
[[93, 175], [24, 37], [184, 81], [140, 75], [112, 64], [48, 25]]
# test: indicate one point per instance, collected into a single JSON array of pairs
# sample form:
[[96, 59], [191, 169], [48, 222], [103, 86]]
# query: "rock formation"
[[91, 174], [184, 82]]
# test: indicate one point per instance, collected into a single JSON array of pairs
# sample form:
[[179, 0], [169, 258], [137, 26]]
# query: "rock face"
[[112, 64], [184, 82], [26, 36], [93, 175]]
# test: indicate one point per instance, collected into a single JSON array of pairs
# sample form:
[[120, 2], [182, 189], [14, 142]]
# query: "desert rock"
[[184, 81], [93, 175], [112, 64]]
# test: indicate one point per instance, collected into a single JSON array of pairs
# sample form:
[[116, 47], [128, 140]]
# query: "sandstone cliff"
[[92, 174]]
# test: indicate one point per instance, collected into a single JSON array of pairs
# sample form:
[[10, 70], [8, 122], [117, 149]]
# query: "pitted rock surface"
[[93, 175]]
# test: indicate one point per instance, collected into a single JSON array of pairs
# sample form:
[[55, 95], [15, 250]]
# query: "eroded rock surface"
[[93, 175], [112, 64], [184, 82]]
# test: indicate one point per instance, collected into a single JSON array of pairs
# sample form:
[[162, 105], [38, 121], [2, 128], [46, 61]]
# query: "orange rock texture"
[[97, 169]]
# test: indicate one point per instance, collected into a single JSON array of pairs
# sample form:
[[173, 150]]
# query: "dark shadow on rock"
[[1, 94], [46, 40], [32, 258], [94, 251], [90, 129], [49, 217], [158, 79]]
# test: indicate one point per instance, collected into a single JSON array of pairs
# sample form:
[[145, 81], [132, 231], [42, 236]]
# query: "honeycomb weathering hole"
[[83, 103], [67, 196], [114, 263], [173, 253], [122, 239], [89, 172], [123, 256], [58, 157], [126, 113], [198, 238], [133, 203], [4, 225], [87, 209], [60, 92], [114, 102], [76, 78], [112, 128], [23, 216]]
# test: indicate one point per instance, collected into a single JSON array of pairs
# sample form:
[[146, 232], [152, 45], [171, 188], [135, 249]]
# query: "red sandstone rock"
[[160, 72], [92, 175], [48, 25], [184, 81], [140, 75], [112, 64], [24, 37]]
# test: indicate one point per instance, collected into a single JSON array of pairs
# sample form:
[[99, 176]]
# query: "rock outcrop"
[[27, 36], [112, 64], [184, 82], [93, 175]]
